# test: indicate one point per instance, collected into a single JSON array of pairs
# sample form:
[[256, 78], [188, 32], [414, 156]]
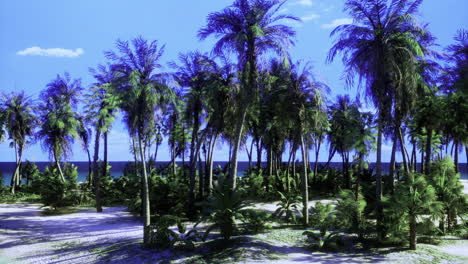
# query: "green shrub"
[[413, 198], [256, 221], [449, 191], [323, 219], [350, 213], [223, 207], [56, 193], [288, 207], [162, 236]]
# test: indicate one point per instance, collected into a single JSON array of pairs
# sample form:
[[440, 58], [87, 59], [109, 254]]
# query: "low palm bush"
[[288, 207], [222, 209]]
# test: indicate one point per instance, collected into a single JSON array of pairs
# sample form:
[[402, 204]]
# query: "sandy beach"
[[114, 236]]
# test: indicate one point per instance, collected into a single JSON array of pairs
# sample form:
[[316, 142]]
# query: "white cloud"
[[309, 17], [54, 52], [338, 22], [303, 3]]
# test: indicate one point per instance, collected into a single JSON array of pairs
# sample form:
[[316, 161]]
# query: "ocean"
[[7, 168]]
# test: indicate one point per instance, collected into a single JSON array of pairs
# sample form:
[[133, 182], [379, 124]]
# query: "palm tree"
[[345, 118], [413, 198], [382, 35], [20, 121], [454, 82], [303, 101], [101, 109], [218, 102], [140, 90], [249, 28], [84, 134], [196, 74], [59, 125]]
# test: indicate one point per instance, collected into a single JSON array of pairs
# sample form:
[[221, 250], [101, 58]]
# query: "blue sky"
[[40, 39]]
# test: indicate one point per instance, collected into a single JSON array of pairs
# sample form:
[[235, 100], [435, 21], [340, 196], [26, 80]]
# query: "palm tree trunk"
[[427, 163], [201, 182], [466, 153], [259, 154], [414, 159], [391, 175], [270, 169], [404, 151], [90, 167], [378, 181], [104, 169], [16, 177], [305, 191], [455, 160], [412, 235], [193, 162], [57, 162], [210, 169], [145, 194], [288, 184], [239, 129], [317, 151], [96, 177]]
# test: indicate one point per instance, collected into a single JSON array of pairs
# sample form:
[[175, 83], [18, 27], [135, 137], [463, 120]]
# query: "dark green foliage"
[[223, 208], [322, 216], [55, 192], [168, 194], [29, 171], [256, 221], [449, 191], [350, 213], [162, 235], [323, 219], [252, 183], [322, 240], [413, 198], [327, 180], [288, 207]]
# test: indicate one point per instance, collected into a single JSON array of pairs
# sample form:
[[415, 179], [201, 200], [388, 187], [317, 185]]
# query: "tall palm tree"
[[248, 28], [59, 125], [20, 121], [383, 33], [101, 109], [302, 102], [345, 130], [195, 74], [84, 134], [141, 90]]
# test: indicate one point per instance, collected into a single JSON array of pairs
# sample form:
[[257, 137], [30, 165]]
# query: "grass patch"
[[19, 197], [289, 236]]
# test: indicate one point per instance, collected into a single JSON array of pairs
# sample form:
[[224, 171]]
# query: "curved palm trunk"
[[57, 163], [404, 153], [90, 167], [305, 192], [145, 194], [96, 178], [210, 166], [235, 152], [16, 178]]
